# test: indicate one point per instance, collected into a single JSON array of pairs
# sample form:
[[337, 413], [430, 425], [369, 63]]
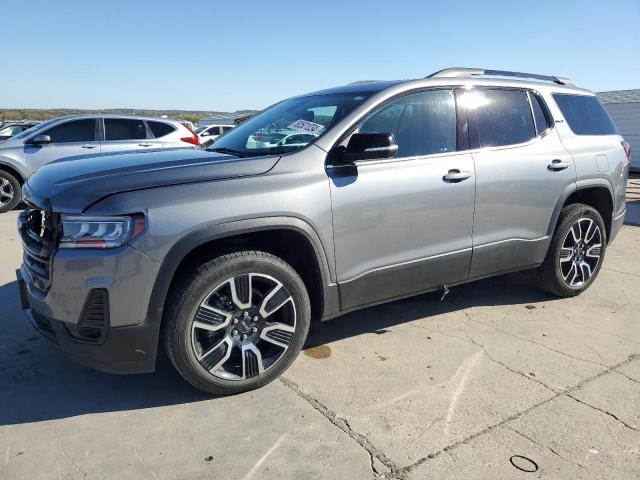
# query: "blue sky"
[[233, 54]]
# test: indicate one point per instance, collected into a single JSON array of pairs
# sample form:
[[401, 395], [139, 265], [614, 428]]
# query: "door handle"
[[89, 147], [145, 144], [454, 175], [558, 165]]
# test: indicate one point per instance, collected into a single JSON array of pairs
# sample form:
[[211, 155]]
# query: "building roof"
[[620, 96]]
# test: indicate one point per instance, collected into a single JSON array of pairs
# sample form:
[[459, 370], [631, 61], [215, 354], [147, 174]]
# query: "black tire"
[[9, 183], [193, 287], [549, 276]]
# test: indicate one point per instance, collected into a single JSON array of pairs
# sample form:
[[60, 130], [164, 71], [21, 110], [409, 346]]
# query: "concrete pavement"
[[497, 376]]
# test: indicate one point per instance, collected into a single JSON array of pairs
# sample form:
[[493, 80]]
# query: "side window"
[[160, 129], [74, 131], [226, 129], [585, 114], [124, 129], [538, 114], [503, 116], [422, 123]]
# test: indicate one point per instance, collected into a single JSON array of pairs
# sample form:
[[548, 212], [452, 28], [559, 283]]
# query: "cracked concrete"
[[413, 389]]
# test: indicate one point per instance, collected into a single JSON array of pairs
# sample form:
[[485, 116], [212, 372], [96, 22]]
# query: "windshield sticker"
[[306, 126]]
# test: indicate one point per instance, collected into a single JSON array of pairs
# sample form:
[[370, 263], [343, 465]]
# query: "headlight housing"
[[99, 232]]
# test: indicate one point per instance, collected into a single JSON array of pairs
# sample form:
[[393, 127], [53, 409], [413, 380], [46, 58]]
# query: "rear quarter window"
[[160, 129], [585, 114]]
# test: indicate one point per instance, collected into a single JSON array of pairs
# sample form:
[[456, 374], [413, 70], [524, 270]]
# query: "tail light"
[[627, 149], [193, 139]]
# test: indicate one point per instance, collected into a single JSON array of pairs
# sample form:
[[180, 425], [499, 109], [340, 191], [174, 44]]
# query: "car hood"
[[71, 185]]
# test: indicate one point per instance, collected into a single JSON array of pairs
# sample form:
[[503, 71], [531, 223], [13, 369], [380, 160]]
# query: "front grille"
[[38, 231]]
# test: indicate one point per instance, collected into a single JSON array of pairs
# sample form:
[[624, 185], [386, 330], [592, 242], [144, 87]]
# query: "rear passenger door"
[[522, 169], [126, 134]]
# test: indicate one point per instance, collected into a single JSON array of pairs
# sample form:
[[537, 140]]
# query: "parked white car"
[[77, 135], [211, 132]]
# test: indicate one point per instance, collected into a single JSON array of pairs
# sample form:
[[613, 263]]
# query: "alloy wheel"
[[6, 192], [580, 252], [243, 326]]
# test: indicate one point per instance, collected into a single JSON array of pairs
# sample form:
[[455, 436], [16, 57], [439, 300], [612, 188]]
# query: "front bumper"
[[126, 350], [127, 339]]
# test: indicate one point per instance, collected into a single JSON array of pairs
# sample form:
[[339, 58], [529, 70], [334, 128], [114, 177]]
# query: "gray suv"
[[79, 135], [224, 256]]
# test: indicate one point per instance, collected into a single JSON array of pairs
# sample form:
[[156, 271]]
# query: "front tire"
[[10, 192], [576, 252], [236, 322]]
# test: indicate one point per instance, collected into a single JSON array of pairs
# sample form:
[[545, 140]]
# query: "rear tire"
[[10, 192], [236, 322], [576, 252]]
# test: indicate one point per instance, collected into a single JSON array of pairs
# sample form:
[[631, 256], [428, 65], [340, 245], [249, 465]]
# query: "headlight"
[[99, 232]]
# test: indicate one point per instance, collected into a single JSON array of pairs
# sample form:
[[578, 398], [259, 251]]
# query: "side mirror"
[[39, 140], [368, 146]]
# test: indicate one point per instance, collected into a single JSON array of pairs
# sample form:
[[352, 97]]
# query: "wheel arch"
[[221, 238], [13, 171], [597, 193]]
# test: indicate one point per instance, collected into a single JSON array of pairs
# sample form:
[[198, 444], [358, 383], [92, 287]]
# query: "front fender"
[[189, 242]]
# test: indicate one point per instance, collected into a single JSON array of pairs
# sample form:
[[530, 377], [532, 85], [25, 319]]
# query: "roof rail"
[[476, 72]]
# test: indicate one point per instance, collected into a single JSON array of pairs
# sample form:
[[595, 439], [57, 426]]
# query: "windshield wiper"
[[230, 151]]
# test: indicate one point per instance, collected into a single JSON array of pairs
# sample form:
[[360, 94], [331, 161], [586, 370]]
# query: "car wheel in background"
[[10, 191]]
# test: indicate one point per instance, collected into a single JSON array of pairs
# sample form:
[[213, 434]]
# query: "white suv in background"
[[207, 133], [77, 135]]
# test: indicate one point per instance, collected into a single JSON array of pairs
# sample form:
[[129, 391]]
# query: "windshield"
[[289, 125], [29, 131]]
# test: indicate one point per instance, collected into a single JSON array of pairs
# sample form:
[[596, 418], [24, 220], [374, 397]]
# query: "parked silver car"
[[392, 189], [79, 135]]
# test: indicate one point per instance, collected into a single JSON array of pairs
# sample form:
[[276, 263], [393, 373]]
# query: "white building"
[[624, 108]]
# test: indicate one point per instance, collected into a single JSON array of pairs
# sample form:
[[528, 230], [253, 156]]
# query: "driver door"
[[404, 225], [68, 139]]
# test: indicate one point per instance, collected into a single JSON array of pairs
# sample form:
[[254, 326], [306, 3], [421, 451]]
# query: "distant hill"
[[46, 114]]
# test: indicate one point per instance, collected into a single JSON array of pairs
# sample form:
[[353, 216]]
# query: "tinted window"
[[422, 123], [75, 131], [122, 129], [226, 129], [538, 114], [160, 129], [585, 114], [503, 116]]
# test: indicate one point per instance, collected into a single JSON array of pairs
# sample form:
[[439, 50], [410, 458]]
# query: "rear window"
[[504, 117], [124, 129], [160, 129], [585, 114]]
